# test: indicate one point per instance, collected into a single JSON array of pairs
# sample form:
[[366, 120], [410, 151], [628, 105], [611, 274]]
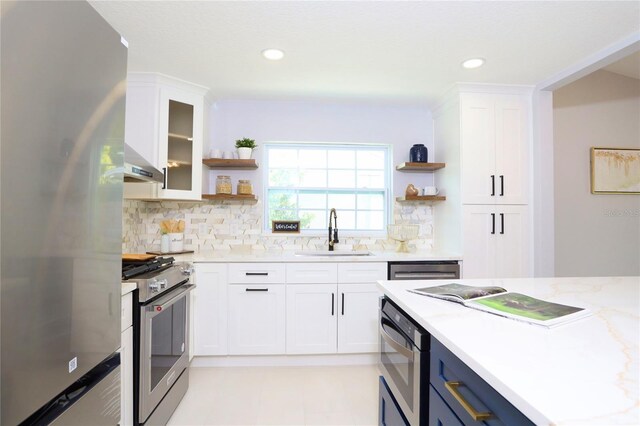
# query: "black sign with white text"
[[285, 226]]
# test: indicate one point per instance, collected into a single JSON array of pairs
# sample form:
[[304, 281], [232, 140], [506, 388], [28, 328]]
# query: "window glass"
[[304, 181]]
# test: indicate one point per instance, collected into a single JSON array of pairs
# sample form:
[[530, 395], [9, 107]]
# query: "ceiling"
[[381, 51]]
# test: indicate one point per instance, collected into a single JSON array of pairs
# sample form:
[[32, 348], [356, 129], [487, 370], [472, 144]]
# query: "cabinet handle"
[[501, 185], [342, 303], [452, 387], [252, 274], [164, 178], [502, 223], [333, 299], [256, 289], [493, 223], [493, 185]]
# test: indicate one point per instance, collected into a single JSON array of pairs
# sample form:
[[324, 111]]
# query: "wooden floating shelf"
[[222, 197], [421, 198], [419, 167], [223, 163]]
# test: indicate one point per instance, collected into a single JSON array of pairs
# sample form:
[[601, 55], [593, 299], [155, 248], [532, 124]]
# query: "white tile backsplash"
[[238, 225]]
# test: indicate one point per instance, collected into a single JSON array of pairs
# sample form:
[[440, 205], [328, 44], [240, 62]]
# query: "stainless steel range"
[[161, 336]]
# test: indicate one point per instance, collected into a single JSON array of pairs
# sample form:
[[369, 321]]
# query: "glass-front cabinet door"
[[180, 145]]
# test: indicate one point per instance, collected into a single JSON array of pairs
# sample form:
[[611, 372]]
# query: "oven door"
[[164, 346], [400, 366]]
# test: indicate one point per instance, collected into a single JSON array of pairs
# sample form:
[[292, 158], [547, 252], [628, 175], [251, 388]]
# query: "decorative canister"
[[164, 243], [244, 187], [419, 154], [223, 185]]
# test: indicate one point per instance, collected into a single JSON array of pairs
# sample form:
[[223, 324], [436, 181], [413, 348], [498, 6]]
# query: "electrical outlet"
[[73, 364]]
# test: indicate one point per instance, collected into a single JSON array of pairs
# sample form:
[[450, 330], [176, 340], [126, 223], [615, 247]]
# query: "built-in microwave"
[[404, 361]]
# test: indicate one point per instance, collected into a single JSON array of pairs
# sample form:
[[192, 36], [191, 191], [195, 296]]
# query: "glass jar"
[[223, 185], [245, 187]]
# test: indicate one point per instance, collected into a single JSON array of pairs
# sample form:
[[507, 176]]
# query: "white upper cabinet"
[[165, 124], [494, 130]]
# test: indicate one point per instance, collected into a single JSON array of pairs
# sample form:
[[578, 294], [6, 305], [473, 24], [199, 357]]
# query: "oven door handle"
[[163, 303], [399, 347]]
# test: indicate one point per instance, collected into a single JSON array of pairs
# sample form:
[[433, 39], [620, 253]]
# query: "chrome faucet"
[[333, 232]]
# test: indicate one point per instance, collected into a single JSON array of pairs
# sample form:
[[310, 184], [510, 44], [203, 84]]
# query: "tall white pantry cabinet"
[[483, 134]]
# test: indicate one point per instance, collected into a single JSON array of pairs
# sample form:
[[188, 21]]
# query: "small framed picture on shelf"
[[615, 171]]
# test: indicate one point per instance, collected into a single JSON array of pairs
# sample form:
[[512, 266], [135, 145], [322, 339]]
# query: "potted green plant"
[[245, 147]]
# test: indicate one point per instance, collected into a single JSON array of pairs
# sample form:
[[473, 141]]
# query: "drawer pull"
[[452, 387], [251, 274], [256, 289]]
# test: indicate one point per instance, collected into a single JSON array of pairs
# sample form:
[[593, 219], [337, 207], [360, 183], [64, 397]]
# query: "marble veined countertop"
[[585, 372], [232, 256]]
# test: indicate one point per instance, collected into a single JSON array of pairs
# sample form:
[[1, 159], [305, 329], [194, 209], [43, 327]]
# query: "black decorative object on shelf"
[[419, 154]]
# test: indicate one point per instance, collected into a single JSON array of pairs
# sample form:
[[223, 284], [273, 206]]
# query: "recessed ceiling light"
[[273, 54], [473, 63]]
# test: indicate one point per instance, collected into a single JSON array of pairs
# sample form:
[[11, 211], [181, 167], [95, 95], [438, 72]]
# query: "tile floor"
[[333, 395]]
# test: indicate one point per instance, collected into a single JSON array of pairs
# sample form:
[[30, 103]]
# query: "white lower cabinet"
[[496, 243], [358, 318], [277, 309], [209, 309], [338, 317], [311, 318], [256, 319], [126, 362]]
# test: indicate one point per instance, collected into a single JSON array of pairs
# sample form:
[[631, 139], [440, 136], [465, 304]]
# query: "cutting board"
[[133, 257]]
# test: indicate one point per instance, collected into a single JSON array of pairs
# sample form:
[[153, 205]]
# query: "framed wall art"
[[615, 171]]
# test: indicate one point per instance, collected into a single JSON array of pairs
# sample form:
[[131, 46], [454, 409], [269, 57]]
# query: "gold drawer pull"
[[452, 387]]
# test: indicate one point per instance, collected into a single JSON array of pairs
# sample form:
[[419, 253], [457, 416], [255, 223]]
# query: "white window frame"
[[328, 145]]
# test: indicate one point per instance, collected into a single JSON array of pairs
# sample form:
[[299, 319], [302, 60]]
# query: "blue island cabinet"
[[389, 413], [458, 396]]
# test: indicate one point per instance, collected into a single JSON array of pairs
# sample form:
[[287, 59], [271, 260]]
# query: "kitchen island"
[[584, 372]]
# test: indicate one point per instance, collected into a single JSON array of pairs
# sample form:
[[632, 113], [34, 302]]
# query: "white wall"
[[268, 121], [597, 235]]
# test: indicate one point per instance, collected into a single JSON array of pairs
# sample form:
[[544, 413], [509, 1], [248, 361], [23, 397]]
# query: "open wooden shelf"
[[223, 163], [421, 198], [221, 197], [419, 167]]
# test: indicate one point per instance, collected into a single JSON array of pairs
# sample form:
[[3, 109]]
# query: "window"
[[305, 181]]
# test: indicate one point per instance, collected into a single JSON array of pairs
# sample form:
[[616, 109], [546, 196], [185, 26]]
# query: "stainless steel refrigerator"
[[62, 96]]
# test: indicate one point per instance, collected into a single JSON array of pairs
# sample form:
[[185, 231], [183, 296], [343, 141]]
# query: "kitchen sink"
[[333, 253]]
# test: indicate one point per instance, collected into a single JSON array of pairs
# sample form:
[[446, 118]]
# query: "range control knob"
[[187, 269], [154, 285], [163, 284]]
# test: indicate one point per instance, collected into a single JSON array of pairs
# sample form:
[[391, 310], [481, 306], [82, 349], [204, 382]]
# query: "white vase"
[[244, 153]]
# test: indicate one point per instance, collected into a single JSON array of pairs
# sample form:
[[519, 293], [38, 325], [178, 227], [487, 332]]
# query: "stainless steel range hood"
[[137, 169]]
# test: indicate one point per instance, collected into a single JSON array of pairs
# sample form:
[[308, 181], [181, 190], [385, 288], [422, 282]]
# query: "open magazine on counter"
[[498, 301]]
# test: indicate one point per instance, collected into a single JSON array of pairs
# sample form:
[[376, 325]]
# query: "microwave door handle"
[[401, 349], [424, 275], [162, 304]]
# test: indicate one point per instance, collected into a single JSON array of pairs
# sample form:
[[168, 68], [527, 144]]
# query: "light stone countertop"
[[128, 287], [233, 256], [585, 372]]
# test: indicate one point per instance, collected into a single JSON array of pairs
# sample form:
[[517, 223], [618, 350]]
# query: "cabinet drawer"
[[439, 411], [362, 272], [312, 273], [389, 413], [256, 273], [126, 316], [450, 377]]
